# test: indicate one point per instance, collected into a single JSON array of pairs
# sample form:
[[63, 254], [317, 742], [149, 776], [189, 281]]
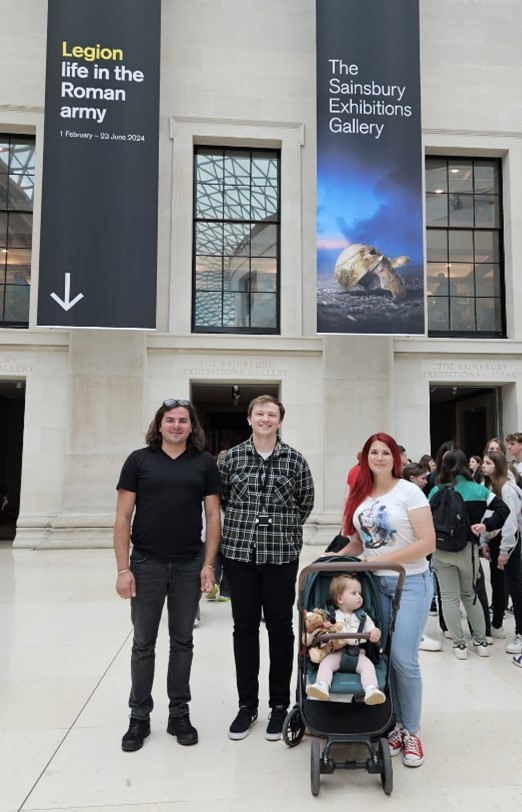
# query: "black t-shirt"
[[169, 493]]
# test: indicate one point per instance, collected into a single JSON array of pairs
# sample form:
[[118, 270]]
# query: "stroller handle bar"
[[341, 564]]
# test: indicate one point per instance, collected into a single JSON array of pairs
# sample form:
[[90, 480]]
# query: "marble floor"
[[65, 643]]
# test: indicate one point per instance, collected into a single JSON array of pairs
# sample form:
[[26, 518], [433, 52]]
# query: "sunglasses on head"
[[176, 402]]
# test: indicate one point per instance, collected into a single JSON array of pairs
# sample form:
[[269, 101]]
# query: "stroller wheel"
[[293, 728], [386, 766], [315, 766]]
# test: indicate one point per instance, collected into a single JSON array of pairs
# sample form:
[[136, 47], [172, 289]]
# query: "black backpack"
[[450, 518]]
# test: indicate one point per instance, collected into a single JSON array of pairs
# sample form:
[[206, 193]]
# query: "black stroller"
[[343, 722]]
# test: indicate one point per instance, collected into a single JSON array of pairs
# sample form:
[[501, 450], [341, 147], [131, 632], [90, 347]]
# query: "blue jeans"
[[405, 674], [179, 583]]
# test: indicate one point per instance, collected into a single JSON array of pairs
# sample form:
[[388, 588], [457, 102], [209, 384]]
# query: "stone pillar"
[[358, 401]]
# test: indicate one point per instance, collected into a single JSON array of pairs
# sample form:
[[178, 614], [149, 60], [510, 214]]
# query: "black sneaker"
[[240, 727], [182, 729], [138, 730], [275, 723]]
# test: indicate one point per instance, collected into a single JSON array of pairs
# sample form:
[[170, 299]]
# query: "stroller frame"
[[342, 723]]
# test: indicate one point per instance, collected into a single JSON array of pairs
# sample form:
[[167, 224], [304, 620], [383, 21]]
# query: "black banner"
[[98, 250], [370, 232]]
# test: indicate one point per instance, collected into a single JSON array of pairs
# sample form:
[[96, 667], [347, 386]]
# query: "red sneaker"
[[395, 740], [412, 753]]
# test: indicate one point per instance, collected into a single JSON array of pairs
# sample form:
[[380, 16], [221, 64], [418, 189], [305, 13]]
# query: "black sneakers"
[[138, 730], [184, 731], [275, 724], [240, 727]]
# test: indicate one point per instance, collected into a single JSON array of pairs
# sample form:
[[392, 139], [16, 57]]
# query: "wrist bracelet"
[[209, 566], [121, 572]]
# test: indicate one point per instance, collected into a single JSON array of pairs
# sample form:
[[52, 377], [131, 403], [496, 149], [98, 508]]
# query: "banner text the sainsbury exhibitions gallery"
[[370, 233]]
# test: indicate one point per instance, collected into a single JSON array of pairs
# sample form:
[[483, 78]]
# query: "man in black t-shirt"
[[161, 491]]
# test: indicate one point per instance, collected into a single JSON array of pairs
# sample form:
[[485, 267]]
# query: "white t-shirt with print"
[[384, 524]]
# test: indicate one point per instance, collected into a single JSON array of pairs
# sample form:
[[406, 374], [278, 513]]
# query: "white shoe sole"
[[316, 693]]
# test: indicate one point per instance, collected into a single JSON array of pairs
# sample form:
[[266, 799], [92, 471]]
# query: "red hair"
[[364, 483]]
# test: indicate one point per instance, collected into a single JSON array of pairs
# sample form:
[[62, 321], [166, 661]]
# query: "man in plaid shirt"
[[268, 494]]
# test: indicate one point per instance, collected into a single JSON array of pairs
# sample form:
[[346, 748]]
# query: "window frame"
[[227, 329], [448, 229]]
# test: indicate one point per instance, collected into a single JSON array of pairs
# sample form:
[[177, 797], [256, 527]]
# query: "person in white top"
[[389, 520], [502, 549], [346, 594]]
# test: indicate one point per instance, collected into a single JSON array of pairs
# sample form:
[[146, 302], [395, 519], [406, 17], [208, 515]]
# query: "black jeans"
[[178, 583], [506, 581], [271, 588]]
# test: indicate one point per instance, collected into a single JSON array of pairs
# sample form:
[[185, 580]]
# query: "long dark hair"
[[364, 482], [500, 475], [453, 463], [196, 440], [449, 445]]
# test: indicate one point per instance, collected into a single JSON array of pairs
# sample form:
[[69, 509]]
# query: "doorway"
[[12, 410], [468, 415], [222, 410]]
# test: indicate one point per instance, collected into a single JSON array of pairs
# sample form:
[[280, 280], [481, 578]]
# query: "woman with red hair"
[[389, 520]]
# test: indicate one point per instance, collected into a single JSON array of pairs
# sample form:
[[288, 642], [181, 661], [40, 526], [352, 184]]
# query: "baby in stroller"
[[346, 595]]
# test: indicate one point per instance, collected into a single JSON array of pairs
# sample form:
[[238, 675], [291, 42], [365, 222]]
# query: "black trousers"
[[270, 588], [504, 582]]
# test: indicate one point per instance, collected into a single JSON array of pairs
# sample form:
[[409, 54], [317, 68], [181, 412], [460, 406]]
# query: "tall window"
[[464, 247], [236, 241], [16, 227]]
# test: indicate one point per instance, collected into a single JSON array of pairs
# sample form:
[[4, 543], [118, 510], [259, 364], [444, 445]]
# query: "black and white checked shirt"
[[287, 498]]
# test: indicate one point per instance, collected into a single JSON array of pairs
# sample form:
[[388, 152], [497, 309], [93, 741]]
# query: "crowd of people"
[[255, 503]]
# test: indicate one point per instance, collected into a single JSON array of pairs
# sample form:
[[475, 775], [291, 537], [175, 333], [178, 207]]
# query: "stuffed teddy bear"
[[316, 624]]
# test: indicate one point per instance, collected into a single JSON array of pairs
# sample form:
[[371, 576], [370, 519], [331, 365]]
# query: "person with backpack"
[[502, 549], [458, 506]]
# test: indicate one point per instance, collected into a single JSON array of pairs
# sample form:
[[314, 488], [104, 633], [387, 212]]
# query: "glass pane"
[[437, 280], [17, 303], [265, 204], [2, 296], [263, 310], [20, 192], [237, 238], [462, 314], [460, 176], [487, 279], [20, 231], [486, 246], [4, 186], [437, 245], [487, 177], [461, 210], [264, 241], [209, 166], [4, 156], [3, 229], [209, 202], [489, 315], [236, 310], [18, 268], [487, 211], [237, 270], [264, 275], [264, 169], [462, 282], [460, 246], [237, 203], [436, 175], [209, 238], [436, 210], [22, 159], [208, 309], [237, 168], [209, 273]]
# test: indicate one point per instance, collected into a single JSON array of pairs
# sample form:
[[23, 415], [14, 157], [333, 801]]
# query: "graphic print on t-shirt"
[[376, 530]]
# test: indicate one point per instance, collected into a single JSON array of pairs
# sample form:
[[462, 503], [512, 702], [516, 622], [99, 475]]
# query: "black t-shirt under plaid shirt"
[[280, 487]]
